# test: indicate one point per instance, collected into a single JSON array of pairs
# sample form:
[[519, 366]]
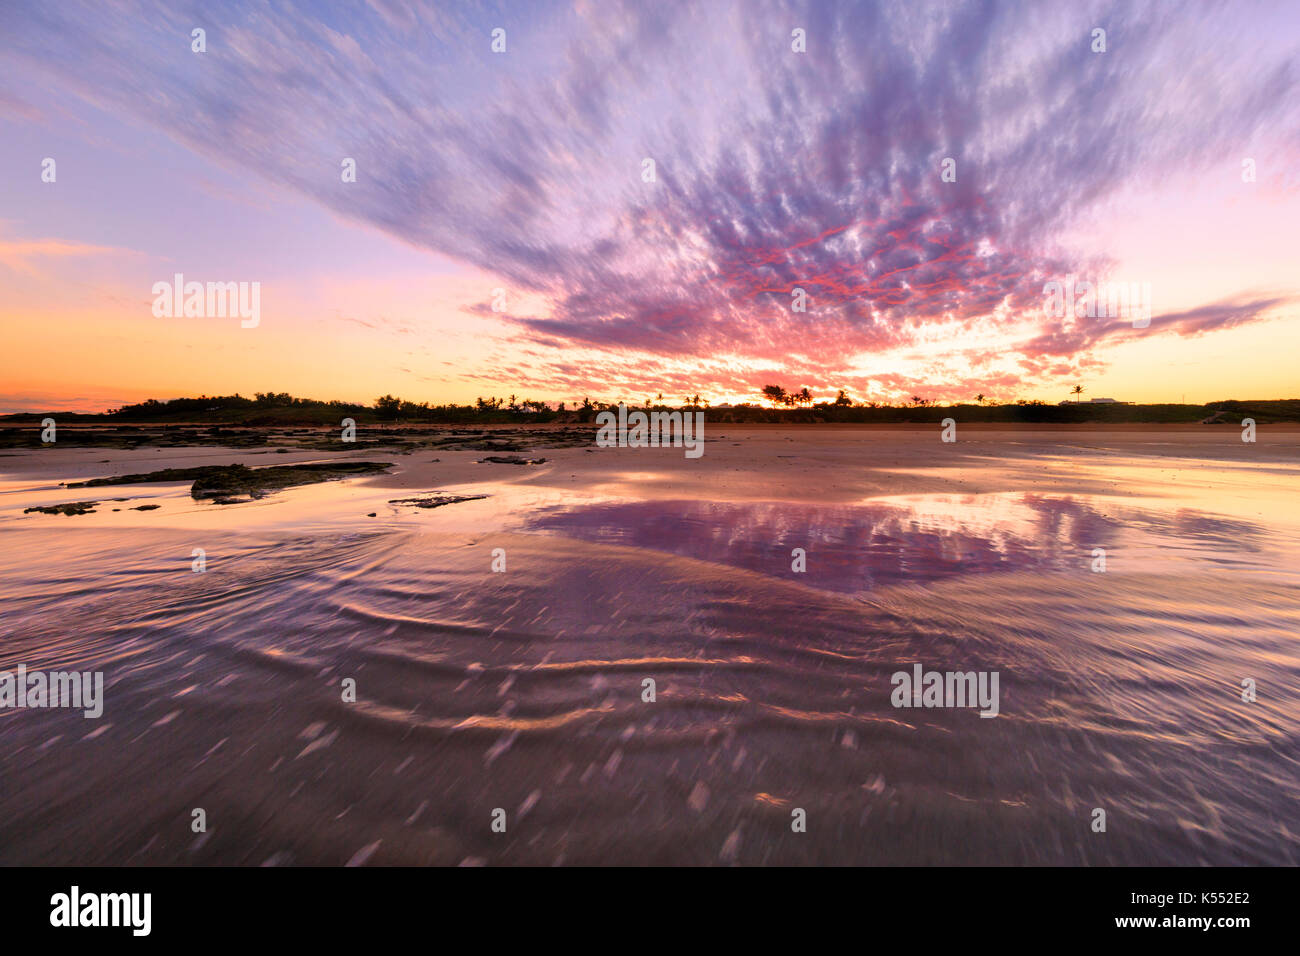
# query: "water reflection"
[[916, 539], [524, 690]]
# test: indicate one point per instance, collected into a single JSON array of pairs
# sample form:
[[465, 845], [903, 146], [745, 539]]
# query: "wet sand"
[[523, 690], [822, 463]]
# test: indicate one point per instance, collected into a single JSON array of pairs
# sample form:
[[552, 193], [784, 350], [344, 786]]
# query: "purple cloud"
[[775, 170]]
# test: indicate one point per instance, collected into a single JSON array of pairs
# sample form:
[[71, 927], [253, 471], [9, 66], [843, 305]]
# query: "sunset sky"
[[523, 171]]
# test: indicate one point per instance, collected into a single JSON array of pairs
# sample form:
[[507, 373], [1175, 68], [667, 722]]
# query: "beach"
[[499, 649]]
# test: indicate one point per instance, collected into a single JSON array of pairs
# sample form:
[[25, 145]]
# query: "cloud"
[[775, 170], [17, 254]]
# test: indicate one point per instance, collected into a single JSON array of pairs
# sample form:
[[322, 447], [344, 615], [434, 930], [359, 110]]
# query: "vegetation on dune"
[[233, 420], [786, 409]]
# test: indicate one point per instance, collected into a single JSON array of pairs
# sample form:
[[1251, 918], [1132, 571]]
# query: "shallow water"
[[924, 538], [522, 690]]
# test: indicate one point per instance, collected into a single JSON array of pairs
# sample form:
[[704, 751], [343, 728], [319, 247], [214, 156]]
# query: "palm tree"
[[980, 398], [805, 396], [1077, 391], [774, 394]]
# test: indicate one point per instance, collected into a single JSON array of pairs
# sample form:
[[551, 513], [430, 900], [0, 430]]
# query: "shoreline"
[[836, 464]]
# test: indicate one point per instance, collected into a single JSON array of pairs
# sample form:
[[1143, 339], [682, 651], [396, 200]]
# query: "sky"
[[919, 172]]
